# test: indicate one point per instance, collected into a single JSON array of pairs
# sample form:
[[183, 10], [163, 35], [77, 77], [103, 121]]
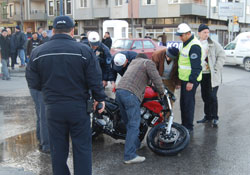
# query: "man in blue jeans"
[[41, 124], [20, 39], [129, 95]]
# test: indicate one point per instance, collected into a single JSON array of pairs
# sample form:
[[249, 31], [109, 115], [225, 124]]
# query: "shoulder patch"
[[193, 56]]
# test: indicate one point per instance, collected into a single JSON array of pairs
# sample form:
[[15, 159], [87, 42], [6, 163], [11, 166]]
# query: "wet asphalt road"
[[212, 151]]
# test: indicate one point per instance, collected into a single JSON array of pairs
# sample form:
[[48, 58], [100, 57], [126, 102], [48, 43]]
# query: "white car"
[[238, 51]]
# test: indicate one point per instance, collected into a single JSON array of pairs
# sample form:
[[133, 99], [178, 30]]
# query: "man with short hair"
[[65, 70], [39, 32], [45, 38], [212, 64], [189, 69], [107, 40]]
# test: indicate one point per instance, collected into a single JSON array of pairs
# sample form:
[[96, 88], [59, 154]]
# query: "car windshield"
[[122, 44]]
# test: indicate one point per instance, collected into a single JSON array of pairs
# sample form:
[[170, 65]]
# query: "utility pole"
[[132, 19], [61, 7], [21, 15]]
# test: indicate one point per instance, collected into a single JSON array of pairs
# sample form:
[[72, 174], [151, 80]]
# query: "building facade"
[[143, 16]]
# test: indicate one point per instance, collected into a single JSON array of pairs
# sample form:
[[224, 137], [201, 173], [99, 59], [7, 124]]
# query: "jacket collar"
[[210, 41], [61, 36], [186, 42]]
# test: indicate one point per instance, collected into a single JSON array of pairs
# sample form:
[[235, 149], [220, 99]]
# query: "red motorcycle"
[[165, 137]]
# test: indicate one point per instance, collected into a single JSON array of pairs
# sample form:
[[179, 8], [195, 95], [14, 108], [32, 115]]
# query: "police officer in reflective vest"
[[189, 69], [64, 70]]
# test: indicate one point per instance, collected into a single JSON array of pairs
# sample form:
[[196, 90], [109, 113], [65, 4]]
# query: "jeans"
[[209, 97], [129, 106], [5, 70], [42, 124], [70, 119], [21, 54], [187, 104]]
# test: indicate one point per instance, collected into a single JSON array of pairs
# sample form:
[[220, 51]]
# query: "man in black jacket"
[[5, 53], [64, 70], [20, 39], [107, 40]]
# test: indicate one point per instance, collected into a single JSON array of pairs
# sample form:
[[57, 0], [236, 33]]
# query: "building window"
[[11, 10], [51, 8], [83, 3], [248, 10], [118, 2], [68, 7], [148, 2]]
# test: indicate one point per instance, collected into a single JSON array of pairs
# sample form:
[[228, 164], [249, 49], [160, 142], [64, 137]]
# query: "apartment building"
[[143, 16], [30, 13]]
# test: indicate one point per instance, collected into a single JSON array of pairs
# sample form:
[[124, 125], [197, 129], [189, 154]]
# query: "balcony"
[[38, 15], [101, 12], [198, 9]]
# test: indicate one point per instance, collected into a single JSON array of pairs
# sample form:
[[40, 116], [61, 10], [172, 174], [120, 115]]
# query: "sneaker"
[[204, 120], [137, 159], [215, 122]]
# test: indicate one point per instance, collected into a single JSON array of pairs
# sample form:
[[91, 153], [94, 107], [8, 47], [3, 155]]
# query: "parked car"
[[140, 45], [238, 51]]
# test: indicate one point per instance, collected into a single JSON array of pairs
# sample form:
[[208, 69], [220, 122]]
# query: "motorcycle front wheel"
[[168, 144]]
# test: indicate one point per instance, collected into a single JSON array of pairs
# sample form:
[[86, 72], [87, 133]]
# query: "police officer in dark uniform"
[[103, 54], [64, 70], [119, 64], [189, 68]]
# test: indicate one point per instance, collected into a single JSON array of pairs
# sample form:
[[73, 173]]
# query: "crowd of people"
[[62, 74], [14, 44]]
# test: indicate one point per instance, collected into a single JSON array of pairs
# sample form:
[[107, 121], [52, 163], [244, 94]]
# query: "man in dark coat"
[[5, 53], [107, 40]]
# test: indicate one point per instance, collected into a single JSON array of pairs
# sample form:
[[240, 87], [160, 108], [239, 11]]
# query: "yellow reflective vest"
[[184, 64]]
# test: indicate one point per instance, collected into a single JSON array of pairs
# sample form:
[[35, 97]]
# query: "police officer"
[[103, 55], [120, 64], [189, 73], [64, 70]]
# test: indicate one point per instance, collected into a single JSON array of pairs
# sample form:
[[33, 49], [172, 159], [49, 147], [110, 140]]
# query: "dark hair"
[[141, 55], [34, 33], [65, 30], [107, 33], [39, 28]]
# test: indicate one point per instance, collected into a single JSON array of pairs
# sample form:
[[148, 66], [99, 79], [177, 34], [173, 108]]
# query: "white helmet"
[[94, 38], [182, 28]]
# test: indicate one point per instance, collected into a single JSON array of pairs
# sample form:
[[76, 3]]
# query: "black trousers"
[[13, 59], [187, 104], [209, 97], [64, 120]]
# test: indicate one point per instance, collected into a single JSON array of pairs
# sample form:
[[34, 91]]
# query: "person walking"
[[65, 70], [120, 64], [20, 39], [166, 61], [5, 54], [212, 63], [107, 40], [129, 95], [189, 69]]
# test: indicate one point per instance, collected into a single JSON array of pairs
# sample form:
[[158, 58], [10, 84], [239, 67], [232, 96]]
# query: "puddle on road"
[[18, 146]]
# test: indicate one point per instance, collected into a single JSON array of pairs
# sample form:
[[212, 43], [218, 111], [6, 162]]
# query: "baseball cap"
[[119, 61], [63, 22], [94, 38]]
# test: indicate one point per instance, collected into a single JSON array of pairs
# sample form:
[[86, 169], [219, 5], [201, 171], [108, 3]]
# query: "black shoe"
[[215, 122], [190, 131], [204, 120]]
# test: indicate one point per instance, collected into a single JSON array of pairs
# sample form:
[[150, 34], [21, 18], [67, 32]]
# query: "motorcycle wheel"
[[167, 145]]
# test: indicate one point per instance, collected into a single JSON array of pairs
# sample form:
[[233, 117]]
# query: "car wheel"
[[247, 64]]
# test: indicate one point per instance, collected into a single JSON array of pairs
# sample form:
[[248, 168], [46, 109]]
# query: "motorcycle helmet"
[[94, 38]]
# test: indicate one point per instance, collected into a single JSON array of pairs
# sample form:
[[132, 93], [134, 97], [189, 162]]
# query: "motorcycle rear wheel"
[[167, 145]]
